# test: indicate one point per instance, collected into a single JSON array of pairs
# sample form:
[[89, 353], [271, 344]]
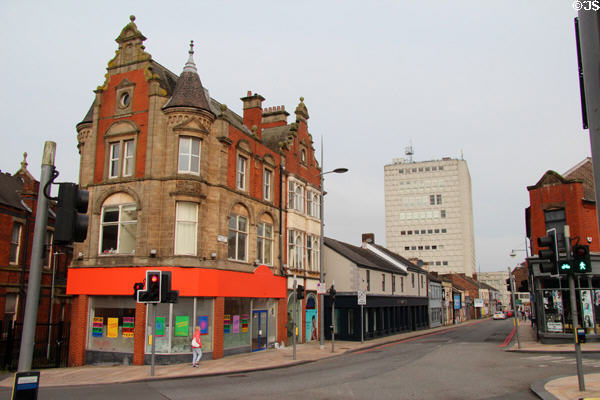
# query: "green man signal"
[[581, 259]]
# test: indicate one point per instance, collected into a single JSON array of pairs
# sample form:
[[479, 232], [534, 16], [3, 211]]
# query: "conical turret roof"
[[189, 91]]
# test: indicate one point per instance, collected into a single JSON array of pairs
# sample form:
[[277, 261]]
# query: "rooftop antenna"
[[408, 151]]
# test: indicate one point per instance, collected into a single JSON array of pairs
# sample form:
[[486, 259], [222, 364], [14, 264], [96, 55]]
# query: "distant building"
[[429, 213], [497, 280]]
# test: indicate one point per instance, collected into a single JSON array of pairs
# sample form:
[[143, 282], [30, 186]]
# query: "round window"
[[125, 99]]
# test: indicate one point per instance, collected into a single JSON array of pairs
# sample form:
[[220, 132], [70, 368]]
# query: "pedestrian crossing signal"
[[581, 259]]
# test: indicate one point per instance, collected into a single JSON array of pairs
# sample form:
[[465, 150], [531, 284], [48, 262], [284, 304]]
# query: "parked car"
[[499, 315]]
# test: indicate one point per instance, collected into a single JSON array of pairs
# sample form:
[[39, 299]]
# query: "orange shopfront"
[[237, 312]]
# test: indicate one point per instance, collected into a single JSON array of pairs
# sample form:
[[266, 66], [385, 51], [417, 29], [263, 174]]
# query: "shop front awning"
[[191, 282]]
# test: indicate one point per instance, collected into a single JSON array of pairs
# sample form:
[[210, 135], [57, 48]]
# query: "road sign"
[[362, 298], [321, 288]]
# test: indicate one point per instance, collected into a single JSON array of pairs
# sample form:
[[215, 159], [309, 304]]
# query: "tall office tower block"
[[429, 213]]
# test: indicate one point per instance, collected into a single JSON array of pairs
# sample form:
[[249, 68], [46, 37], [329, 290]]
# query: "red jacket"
[[197, 337]]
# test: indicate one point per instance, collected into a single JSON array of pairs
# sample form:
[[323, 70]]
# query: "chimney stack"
[[253, 112], [368, 238], [274, 116]]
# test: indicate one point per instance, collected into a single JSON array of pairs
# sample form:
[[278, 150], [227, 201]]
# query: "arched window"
[[237, 240], [118, 227], [264, 240]]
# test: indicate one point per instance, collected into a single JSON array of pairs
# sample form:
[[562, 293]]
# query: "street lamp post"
[[321, 254]]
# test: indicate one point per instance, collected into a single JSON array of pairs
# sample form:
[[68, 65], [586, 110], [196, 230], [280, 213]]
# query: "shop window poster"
[[112, 327], [182, 324], [203, 324], [227, 323], [236, 324], [586, 305], [160, 326], [244, 323], [128, 325], [97, 326]]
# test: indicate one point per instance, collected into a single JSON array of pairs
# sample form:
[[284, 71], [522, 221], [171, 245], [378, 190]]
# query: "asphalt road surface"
[[461, 363]]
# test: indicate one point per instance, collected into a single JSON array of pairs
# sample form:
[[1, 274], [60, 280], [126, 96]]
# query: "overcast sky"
[[496, 81]]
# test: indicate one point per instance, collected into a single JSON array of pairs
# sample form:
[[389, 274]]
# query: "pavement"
[[557, 387], [564, 387]]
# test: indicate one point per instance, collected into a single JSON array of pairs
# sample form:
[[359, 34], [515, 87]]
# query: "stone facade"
[[180, 182]]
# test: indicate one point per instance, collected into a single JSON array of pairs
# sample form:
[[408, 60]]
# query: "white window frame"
[[180, 222], [120, 164], [192, 158], [238, 233], [267, 184], [296, 249], [263, 256], [119, 223], [241, 168], [113, 163], [16, 244]]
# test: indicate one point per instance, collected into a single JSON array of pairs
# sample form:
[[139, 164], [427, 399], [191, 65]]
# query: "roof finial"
[[132, 18], [189, 65], [24, 162]]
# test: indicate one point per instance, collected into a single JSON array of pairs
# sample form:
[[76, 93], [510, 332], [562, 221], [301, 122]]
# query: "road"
[[462, 363]]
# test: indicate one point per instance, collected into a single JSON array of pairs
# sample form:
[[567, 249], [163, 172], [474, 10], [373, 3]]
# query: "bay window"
[[189, 155], [118, 228]]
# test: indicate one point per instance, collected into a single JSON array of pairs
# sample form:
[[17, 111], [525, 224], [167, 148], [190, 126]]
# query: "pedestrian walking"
[[196, 347]]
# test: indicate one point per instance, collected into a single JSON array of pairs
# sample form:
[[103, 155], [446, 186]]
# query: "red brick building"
[[555, 201], [179, 182], [18, 206]]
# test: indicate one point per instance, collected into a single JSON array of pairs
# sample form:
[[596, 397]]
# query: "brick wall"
[[281, 320], [78, 331], [218, 327], [139, 334]]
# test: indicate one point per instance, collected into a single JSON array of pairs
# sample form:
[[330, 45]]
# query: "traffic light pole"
[[575, 321], [332, 320], [152, 329], [515, 319], [295, 286], [35, 268]]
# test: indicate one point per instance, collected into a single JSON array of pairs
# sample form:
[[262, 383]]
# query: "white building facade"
[[429, 213]]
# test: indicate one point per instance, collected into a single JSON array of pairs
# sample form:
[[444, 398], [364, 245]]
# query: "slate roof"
[[10, 187], [188, 90], [411, 266], [271, 137], [362, 257], [584, 172]]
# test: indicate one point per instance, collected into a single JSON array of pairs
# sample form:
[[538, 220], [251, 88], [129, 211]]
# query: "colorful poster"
[[160, 326], [97, 326], [244, 322], [203, 324], [112, 328], [310, 329], [236, 324], [227, 323], [586, 306], [128, 325], [182, 324]]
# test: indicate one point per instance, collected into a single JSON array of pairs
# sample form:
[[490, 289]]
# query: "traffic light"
[[167, 295], [565, 266], [152, 294], [508, 286], [581, 259], [332, 292], [299, 292], [550, 254], [71, 219], [136, 288]]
